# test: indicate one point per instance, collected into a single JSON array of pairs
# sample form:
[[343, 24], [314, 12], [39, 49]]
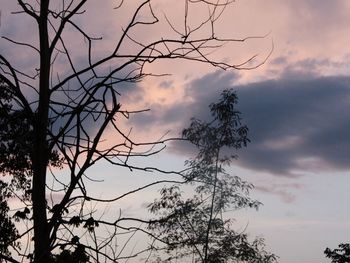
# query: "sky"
[[295, 105]]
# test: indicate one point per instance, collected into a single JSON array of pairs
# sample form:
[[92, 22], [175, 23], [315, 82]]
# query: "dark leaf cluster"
[[78, 255], [340, 254], [8, 231], [16, 133], [225, 130]]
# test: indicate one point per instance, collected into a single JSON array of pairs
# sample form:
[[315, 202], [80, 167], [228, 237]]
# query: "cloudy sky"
[[296, 107]]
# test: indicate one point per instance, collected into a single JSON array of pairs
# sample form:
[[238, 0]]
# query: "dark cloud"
[[296, 125]]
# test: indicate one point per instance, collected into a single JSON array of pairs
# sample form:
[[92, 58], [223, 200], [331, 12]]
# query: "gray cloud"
[[198, 95], [312, 15], [285, 68], [296, 125], [321, 9], [280, 190]]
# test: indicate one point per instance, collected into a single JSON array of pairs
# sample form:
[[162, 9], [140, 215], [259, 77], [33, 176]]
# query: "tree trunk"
[[40, 151]]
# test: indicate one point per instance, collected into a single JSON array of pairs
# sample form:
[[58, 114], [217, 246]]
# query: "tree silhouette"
[[8, 231], [15, 141], [197, 226], [46, 123], [339, 255]]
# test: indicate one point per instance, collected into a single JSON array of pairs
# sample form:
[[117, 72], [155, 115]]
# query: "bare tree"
[[55, 110]]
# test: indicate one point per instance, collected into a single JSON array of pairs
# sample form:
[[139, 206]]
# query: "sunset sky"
[[296, 106]]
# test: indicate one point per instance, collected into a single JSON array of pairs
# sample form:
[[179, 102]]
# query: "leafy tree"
[[67, 256], [46, 122], [8, 231], [197, 226], [15, 141], [340, 254]]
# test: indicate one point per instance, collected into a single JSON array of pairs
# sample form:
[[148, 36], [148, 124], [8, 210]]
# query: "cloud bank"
[[298, 123]]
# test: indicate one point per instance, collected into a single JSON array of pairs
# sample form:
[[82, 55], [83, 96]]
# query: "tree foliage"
[[197, 226], [15, 140], [8, 231], [340, 254]]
